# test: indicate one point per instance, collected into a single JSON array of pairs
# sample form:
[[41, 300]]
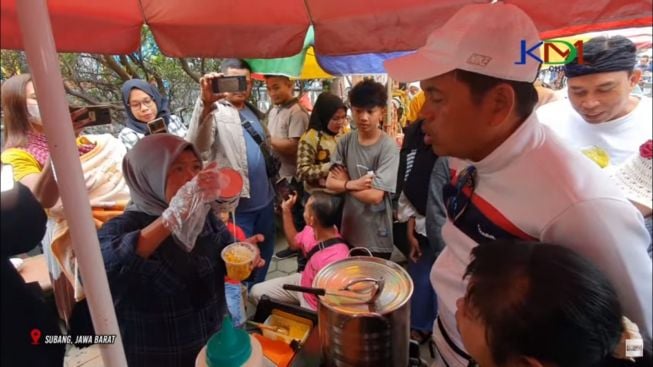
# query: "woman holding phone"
[[143, 106], [26, 151], [25, 147]]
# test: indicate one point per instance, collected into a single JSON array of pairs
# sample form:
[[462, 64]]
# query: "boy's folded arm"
[[369, 196], [334, 184]]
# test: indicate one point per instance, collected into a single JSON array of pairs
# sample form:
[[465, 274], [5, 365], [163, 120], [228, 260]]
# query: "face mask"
[[34, 112]]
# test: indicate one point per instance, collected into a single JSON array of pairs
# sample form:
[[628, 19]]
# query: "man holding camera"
[[227, 129]]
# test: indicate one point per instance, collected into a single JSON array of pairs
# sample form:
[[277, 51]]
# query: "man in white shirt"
[[601, 112], [512, 178]]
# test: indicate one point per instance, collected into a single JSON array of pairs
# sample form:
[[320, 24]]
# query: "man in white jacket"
[[512, 178], [226, 129]]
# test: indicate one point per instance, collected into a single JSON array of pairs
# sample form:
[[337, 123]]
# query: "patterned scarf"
[[37, 146]]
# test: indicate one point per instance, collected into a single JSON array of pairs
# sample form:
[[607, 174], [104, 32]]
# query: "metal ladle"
[[361, 296]]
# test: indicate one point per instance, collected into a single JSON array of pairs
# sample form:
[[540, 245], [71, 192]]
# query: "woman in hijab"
[[319, 141], [169, 296], [143, 104]]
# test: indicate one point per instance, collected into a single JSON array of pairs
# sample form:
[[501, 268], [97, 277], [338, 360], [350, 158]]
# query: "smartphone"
[[283, 189], [6, 178], [99, 114], [157, 126], [229, 84]]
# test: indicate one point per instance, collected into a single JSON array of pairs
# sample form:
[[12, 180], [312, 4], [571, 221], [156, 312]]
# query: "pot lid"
[[364, 275]]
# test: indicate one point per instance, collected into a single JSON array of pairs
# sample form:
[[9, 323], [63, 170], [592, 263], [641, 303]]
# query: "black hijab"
[[161, 104], [325, 107]]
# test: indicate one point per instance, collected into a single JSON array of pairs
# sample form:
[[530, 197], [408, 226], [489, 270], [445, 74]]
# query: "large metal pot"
[[360, 333]]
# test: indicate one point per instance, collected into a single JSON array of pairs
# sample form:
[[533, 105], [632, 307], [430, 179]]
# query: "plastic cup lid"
[[231, 183], [240, 250]]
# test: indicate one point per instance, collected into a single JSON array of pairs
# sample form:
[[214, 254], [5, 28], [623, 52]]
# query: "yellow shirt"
[[416, 106], [23, 163], [314, 157]]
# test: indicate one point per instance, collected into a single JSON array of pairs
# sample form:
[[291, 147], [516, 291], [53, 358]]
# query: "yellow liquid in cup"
[[238, 258]]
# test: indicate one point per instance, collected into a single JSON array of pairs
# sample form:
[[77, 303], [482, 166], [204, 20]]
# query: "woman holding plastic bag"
[[162, 255]]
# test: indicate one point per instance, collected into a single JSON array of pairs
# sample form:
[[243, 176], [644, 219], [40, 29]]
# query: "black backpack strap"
[[252, 132], [324, 244]]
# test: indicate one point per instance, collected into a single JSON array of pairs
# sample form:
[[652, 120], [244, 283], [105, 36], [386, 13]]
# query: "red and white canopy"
[[264, 29]]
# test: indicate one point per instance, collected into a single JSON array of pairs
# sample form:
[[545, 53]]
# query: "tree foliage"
[[91, 79]]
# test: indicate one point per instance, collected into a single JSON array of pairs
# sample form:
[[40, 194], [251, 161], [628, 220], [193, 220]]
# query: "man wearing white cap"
[[511, 176]]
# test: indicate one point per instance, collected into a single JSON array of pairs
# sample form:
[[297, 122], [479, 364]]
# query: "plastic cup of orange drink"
[[238, 258]]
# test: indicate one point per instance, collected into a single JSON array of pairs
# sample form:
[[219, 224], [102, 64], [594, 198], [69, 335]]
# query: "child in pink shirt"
[[321, 215]]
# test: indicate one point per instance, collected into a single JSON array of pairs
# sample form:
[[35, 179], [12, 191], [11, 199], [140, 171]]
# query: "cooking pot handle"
[[296, 288], [361, 248], [361, 280], [378, 287]]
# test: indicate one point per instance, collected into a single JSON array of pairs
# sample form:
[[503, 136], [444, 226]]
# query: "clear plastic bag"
[[187, 212]]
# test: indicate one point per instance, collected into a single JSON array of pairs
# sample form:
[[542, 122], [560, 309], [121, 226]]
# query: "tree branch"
[[187, 69], [159, 83], [110, 63], [83, 96], [140, 64], [128, 67]]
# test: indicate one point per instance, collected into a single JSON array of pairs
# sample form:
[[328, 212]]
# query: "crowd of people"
[[525, 220]]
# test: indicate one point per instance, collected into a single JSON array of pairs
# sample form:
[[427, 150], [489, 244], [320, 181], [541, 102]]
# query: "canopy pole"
[[388, 109], [38, 41]]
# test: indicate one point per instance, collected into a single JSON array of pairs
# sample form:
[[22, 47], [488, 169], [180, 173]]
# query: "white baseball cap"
[[481, 38]]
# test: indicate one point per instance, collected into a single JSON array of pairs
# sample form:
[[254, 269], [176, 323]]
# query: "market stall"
[[257, 28]]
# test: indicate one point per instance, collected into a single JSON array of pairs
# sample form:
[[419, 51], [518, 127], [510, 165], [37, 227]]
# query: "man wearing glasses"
[[227, 129], [511, 176]]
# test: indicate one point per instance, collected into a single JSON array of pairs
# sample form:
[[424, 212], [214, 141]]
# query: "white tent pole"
[[38, 41], [388, 111]]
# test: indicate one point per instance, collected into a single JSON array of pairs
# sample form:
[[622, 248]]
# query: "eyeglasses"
[[136, 105], [458, 197]]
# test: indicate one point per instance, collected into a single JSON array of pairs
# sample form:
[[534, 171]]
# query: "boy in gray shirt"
[[365, 166]]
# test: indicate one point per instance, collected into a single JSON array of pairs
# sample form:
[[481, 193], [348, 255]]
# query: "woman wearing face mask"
[[165, 274], [26, 148], [27, 152], [319, 141], [143, 103]]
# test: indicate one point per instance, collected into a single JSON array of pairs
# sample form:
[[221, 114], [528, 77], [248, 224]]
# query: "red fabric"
[[81, 26], [263, 28], [239, 235], [305, 102], [236, 231], [37, 146], [646, 150]]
